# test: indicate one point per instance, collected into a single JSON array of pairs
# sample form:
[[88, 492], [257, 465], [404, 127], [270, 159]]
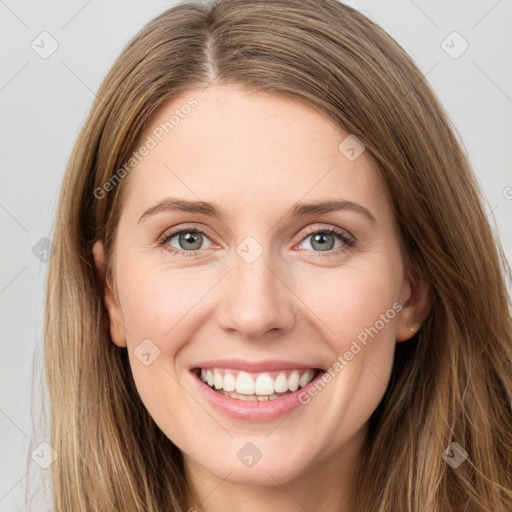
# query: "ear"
[[417, 301], [117, 329]]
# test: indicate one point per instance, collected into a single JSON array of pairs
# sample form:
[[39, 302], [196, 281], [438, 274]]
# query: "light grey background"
[[44, 101]]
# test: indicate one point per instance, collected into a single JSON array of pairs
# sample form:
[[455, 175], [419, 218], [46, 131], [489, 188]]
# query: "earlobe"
[[415, 308], [117, 330]]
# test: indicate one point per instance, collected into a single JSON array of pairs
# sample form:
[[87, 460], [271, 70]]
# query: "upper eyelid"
[[313, 229], [169, 233]]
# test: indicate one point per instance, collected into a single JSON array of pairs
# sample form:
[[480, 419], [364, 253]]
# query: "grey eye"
[[323, 241], [188, 240]]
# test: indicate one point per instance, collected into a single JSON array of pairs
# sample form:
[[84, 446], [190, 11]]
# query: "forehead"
[[259, 150]]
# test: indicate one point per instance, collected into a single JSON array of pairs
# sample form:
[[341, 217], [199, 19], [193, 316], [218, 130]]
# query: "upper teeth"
[[260, 383]]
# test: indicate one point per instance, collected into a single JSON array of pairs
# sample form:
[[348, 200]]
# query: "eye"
[[187, 240], [324, 240]]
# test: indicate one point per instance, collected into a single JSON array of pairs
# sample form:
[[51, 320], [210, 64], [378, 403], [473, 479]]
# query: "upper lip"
[[252, 366]]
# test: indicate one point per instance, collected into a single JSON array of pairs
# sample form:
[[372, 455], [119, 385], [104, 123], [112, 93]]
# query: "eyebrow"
[[299, 210]]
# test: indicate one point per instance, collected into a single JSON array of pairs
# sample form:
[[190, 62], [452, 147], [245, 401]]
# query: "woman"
[[337, 336]]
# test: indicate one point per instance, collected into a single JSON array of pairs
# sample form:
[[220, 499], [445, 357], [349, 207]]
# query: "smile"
[[255, 391], [256, 386]]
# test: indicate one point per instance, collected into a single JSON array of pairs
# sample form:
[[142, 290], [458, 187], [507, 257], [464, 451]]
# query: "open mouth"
[[256, 386]]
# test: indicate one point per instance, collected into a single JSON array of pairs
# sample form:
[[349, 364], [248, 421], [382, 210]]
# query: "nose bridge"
[[258, 300]]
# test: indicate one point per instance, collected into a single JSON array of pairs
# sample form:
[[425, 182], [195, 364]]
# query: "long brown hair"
[[451, 383]]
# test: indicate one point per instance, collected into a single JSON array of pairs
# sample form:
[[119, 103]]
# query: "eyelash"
[[347, 240]]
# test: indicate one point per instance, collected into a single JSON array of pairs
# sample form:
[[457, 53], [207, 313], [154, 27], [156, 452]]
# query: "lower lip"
[[253, 411]]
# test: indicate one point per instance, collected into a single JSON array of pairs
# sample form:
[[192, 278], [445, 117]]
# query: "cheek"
[[156, 302], [352, 301], [158, 311], [358, 311]]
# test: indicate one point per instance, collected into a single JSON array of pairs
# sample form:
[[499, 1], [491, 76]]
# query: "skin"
[[255, 155]]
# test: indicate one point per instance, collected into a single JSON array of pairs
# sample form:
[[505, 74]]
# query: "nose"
[[258, 301]]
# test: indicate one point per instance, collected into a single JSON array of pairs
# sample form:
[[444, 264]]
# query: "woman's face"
[[263, 295]]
